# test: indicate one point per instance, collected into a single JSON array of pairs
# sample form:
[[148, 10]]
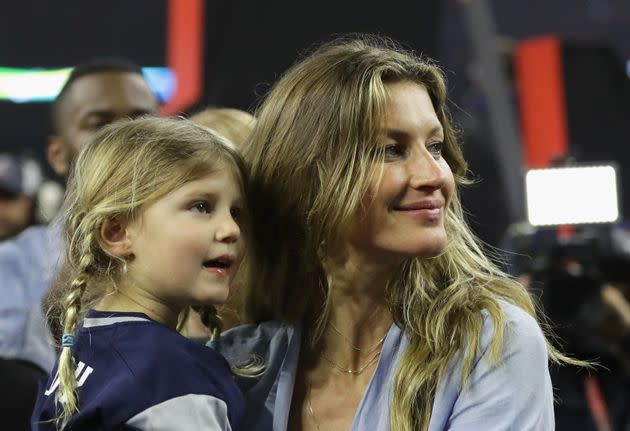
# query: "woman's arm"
[[514, 395]]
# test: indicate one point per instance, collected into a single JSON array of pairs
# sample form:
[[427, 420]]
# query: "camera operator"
[[583, 280]]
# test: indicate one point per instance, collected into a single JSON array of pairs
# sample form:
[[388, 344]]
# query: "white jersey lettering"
[[81, 374]]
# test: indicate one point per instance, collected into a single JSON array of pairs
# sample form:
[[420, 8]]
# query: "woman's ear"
[[114, 238]]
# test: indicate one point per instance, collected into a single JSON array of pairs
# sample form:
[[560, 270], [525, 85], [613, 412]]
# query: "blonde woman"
[[373, 305], [152, 223]]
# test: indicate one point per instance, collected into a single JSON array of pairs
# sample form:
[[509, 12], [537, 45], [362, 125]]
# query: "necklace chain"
[[348, 370], [367, 349], [376, 348], [344, 370], [359, 370]]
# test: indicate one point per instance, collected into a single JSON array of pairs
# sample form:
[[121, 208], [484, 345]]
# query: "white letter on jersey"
[[80, 374]]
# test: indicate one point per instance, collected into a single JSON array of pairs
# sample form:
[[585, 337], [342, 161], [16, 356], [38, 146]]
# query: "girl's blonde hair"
[[126, 166], [311, 156]]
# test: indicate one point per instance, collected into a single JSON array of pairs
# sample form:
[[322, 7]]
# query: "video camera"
[[572, 245]]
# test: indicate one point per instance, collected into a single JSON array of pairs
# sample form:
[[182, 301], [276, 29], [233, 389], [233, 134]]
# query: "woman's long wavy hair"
[[126, 166], [311, 158]]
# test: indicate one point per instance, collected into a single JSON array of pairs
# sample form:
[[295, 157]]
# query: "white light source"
[[572, 195], [39, 85]]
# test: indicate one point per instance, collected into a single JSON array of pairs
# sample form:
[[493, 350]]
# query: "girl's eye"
[[436, 148], [237, 214], [201, 207]]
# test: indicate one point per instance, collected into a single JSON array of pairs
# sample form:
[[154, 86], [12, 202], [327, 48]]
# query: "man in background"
[[20, 179], [96, 94]]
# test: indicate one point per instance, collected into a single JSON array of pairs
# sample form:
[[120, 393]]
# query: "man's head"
[[19, 181], [95, 94]]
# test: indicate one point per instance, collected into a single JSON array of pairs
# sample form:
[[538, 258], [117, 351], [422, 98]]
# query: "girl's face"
[[403, 213], [186, 244]]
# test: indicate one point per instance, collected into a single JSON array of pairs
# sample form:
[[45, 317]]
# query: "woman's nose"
[[426, 171]]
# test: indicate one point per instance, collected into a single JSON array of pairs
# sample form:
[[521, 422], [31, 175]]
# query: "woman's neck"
[[359, 316], [356, 321], [129, 299]]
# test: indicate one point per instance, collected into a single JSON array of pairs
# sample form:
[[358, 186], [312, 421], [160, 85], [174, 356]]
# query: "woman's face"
[[403, 213]]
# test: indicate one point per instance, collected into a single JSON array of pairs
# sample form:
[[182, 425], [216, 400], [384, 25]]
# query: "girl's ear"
[[114, 238]]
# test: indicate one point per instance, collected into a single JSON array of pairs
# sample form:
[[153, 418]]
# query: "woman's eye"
[[201, 207], [436, 148], [393, 151]]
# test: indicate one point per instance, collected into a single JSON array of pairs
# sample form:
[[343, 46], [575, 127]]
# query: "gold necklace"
[[358, 349], [352, 371]]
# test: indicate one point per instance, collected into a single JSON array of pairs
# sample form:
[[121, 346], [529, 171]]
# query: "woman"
[[380, 310]]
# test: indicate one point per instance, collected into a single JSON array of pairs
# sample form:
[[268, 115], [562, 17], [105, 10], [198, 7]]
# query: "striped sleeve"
[[192, 411]]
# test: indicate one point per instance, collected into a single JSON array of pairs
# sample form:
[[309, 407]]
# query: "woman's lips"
[[429, 210]]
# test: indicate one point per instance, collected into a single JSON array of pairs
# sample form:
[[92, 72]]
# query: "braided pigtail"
[[66, 395], [181, 321], [211, 320]]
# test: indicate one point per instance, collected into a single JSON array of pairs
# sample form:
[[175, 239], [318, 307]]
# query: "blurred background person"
[[583, 283], [234, 124], [20, 179], [96, 93]]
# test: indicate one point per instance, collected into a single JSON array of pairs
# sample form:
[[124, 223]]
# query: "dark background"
[[249, 43]]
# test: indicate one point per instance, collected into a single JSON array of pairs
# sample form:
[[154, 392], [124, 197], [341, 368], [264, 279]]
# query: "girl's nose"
[[229, 230]]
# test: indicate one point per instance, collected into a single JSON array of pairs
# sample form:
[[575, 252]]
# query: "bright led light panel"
[[572, 195], [38, 85]]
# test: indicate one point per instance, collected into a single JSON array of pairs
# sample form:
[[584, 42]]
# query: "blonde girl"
[[372, 302], [153, 221]]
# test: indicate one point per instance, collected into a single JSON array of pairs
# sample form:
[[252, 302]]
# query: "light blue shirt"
[[516, 395], [28, 264]]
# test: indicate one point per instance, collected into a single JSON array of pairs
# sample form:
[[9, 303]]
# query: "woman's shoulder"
[[264, 340], [521, 332], [519, 321], [516, 384], [267, 330]]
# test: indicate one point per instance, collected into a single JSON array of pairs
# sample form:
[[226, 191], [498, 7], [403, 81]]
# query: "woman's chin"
[[433, 249]]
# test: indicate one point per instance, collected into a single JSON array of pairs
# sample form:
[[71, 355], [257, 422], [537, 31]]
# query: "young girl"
[[152, 223]]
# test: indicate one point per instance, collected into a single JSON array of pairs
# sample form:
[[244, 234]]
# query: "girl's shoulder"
[[129, 366], [140, 350]]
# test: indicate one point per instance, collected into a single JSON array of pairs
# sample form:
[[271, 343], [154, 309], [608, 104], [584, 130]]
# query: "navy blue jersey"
[[135, 373]]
